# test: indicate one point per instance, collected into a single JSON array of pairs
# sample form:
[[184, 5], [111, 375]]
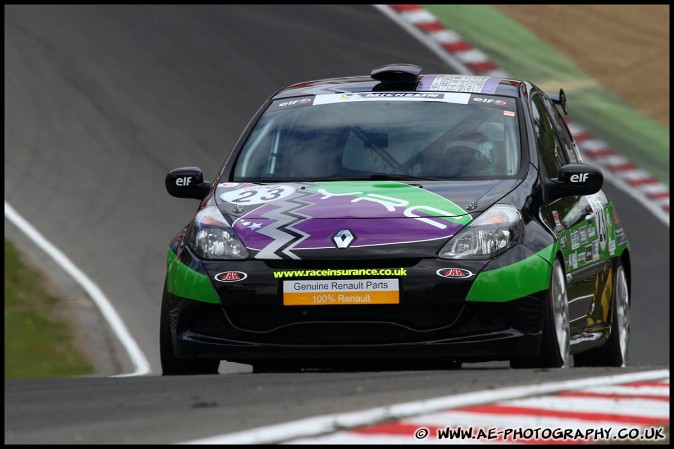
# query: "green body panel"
[[520, 279], [192, 285], [399, 191]]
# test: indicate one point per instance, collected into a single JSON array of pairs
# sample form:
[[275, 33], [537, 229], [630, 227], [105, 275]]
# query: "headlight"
[[491, 233], [213, 238]]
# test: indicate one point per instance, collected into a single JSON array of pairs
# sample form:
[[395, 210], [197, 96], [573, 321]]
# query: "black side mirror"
[[187, 182], [576, 179], [559, 99]]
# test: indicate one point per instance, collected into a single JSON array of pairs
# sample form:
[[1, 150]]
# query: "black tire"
[[170, 364], [615, 351], [556, 340]]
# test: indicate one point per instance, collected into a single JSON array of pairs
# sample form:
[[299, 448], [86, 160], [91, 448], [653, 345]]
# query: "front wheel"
[[170, 364], [556, 340], [616, 349]]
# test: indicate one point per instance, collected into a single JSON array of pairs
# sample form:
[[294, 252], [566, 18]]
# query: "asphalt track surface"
[[100, 103]]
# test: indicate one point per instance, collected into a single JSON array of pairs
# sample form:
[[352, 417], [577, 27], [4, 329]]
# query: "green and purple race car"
[[430, 219]]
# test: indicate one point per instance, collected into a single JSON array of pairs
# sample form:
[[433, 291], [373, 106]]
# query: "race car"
[[432, 219]]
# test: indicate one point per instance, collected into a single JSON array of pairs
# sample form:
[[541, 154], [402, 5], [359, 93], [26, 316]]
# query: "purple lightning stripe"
[[371, 223]]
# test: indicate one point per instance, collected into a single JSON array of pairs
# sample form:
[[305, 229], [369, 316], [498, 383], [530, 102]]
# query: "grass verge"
[[39, 342]]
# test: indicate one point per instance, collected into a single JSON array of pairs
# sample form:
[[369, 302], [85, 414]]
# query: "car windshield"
[[433, 136]]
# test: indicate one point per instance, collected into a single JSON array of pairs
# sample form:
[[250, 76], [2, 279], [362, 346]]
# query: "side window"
[[549, 148], [563, 132]]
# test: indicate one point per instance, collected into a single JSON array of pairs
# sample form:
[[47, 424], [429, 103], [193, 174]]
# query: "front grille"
[[343, 334], [418, 318]]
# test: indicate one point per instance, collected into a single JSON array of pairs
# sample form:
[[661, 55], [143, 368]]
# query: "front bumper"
[[248, 320]]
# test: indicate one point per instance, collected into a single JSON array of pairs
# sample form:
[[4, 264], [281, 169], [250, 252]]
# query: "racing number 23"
[[257, 194]]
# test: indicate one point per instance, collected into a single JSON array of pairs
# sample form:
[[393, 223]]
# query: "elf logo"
[[490, 100], [231, 276], [454, 273], [579, 177]]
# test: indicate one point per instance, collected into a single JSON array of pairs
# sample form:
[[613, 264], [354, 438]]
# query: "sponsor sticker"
[[290, 103], [459, 98], [489, 101], [230, 276], [423, 95], [591, 232], [575, 240], [583, 234], [588, 254], [341, 272], [298, 102], [505, 104], [460, 83], [454, 273], [341, 292]]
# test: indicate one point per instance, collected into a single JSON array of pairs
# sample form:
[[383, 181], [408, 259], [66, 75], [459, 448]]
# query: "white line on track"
[[326, 424], [140, 362]]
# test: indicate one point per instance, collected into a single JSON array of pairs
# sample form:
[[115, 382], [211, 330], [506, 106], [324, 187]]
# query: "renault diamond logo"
[[343, 238]]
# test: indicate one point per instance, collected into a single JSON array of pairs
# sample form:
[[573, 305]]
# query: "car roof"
[[404, 78]]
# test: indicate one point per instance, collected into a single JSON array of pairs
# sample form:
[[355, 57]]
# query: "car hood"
[[286, 219]]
